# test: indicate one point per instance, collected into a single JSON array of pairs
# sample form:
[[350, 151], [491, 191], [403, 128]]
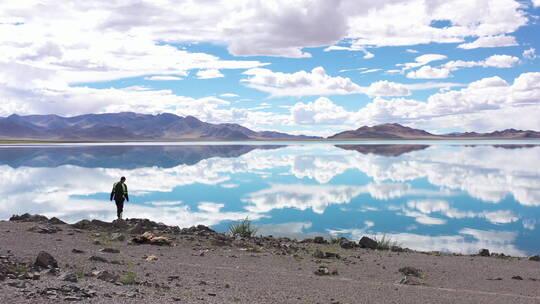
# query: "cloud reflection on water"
[[56, 181]]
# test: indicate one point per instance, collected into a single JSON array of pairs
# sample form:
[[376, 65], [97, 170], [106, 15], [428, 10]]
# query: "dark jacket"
[[119, 192]]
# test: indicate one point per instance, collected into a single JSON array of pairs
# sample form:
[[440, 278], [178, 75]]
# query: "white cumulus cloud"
[[387, 88], [302, 83], [163, 78], [320, 111], [490, 42], [530, 54], [494, 61], [428, 72], [209, 74]]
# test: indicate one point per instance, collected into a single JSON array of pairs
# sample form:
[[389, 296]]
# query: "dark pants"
[[119, 206]]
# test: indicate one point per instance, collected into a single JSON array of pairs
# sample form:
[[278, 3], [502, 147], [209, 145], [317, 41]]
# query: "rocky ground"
[[138, 261]]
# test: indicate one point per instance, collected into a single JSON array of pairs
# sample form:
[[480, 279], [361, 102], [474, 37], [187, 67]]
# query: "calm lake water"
[[446, 196]]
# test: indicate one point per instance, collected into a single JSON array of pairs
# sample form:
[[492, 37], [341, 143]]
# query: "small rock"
[[98, 259], [70, 277], [495, 279], [32, 276], [150, 258], [517, 278], [535, 258], [17, 284], [322, 270], [46, 260], [131, 294], [110, 250], [77, 251], [411, 271], [483, 252], [367, 242], [107, 276], [72, 299], [53, 271], [410, 281], [117, 237]]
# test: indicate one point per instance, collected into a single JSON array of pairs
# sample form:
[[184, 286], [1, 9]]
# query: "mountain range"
[[397, 131], [128, 126]]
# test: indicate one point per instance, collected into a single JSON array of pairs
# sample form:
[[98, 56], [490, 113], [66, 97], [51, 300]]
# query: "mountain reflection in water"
[[444, 197]]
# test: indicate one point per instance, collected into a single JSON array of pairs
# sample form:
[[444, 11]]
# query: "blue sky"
[[312, 67]]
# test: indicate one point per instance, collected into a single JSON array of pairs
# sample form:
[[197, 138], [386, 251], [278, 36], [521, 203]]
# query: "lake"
[[453, 196]]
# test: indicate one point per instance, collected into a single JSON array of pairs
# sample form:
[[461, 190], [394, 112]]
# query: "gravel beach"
[[138, 261]]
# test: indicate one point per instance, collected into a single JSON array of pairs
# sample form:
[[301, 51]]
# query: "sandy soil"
[[206, 267]]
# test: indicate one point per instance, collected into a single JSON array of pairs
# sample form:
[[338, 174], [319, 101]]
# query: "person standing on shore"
[[120, 193]]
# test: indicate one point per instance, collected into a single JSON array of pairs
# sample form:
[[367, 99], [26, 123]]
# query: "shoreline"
[[102, 262], [247, 142]]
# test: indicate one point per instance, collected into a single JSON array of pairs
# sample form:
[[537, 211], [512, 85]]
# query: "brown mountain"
[[506, 134], [397, 131], [128, 126], [385, 131]]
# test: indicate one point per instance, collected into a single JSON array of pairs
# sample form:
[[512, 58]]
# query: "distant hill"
[[127, 126], [385, 131], [507, 134], [397, 131]]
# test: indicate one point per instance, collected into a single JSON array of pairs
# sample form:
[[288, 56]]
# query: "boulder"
[[346, 244], [395, 248], [535, 258], [319, 240], [46, 260], [198, 230], [366, 242], [483, 252], [149, 238], [27, 217]]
